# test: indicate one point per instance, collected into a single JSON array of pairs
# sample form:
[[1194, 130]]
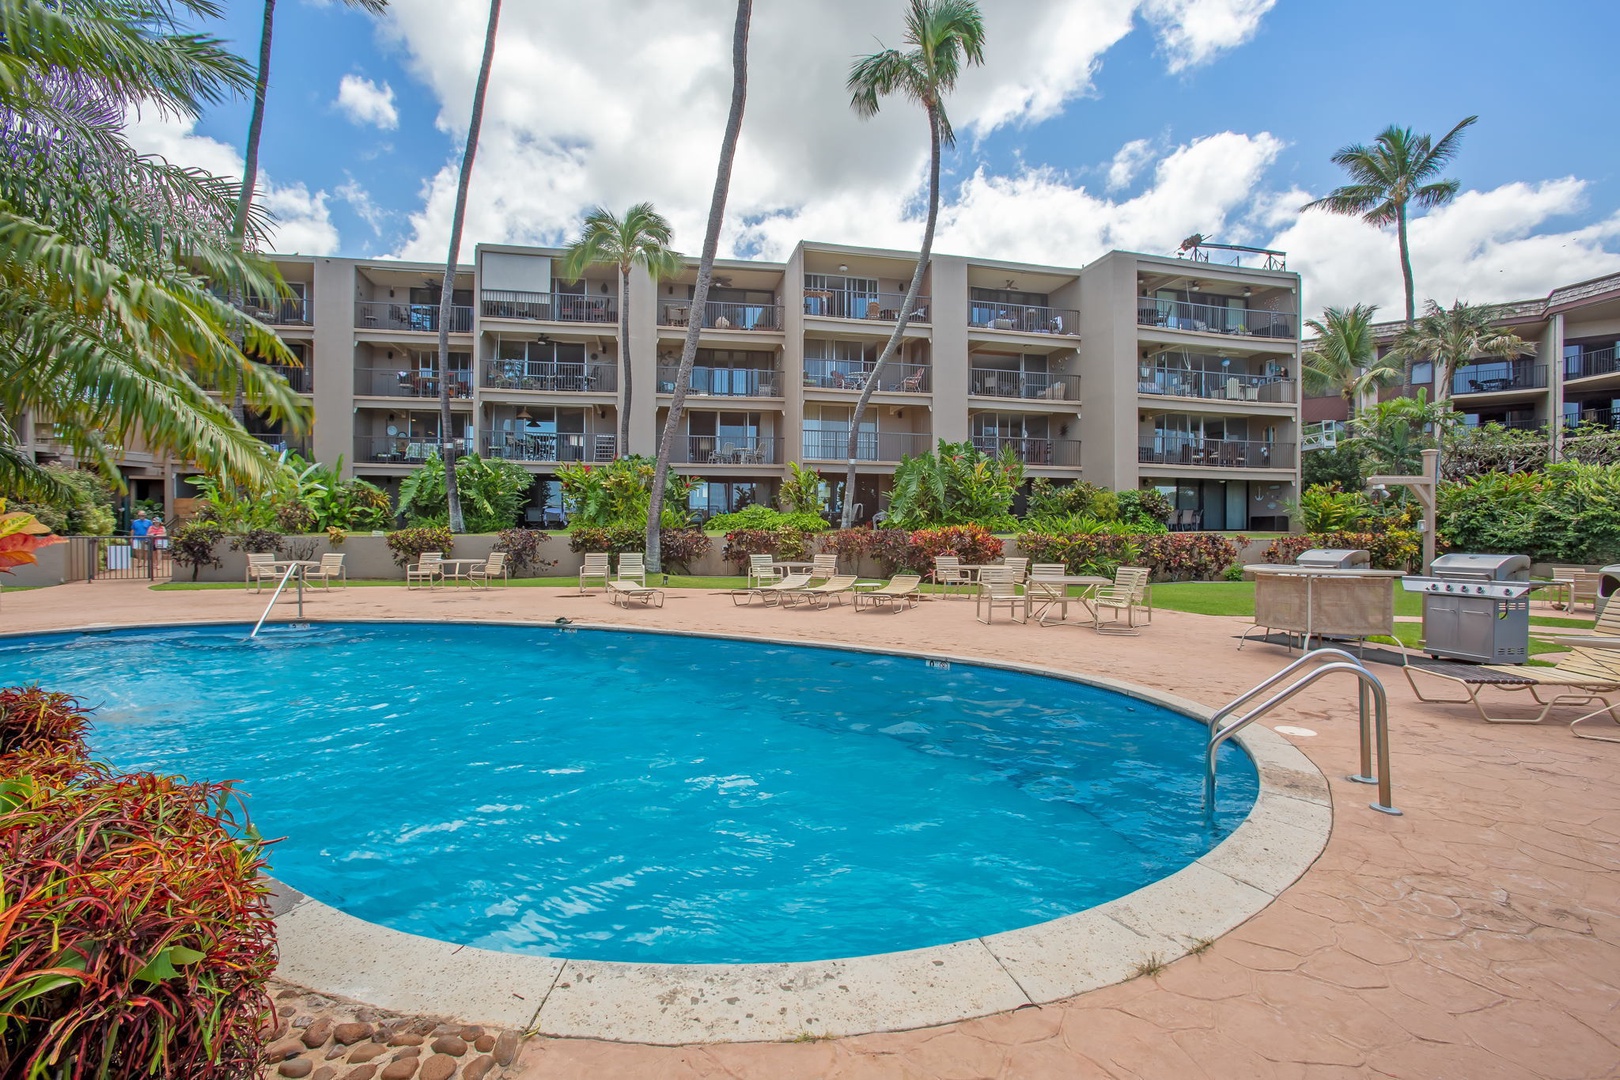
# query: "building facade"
[[1135, 370], [1569, 378]]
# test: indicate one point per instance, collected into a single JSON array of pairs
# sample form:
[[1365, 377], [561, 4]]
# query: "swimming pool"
[[630, 796]]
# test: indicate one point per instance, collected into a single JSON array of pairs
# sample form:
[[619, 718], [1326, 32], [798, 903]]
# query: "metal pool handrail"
[[1369, 686], [294, 568]]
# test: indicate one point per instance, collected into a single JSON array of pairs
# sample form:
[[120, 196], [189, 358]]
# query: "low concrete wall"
[[52, 569]]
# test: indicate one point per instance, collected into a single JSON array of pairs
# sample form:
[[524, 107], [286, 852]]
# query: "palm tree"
[[943, 35], [1397, 171], [110, 326], [700, 292], [1343, 358], [641, 236], [1393, 434], [1451, 337], [447, 292], [261, 85]]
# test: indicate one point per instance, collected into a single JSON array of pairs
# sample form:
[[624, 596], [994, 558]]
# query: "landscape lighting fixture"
[[842, 268]]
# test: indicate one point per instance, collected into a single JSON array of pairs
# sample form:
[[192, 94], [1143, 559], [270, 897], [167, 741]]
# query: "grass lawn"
[[676, 581]]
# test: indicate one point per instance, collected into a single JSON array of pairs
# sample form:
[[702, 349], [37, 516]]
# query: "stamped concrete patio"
[[1476, 937]]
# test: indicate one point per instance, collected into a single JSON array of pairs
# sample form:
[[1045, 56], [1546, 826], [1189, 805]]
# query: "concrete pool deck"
[[1478, 936]]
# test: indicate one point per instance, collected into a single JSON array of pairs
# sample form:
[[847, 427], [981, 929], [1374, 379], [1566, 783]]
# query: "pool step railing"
[[1374, 716], [295, 568]]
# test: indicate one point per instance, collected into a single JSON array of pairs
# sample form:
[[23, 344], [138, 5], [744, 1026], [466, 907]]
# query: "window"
[[1422, 373]]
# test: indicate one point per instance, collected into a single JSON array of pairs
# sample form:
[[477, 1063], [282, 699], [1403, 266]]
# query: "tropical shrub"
[[258, 540], [1567, 512], [1389, 549], [680, 548], [408, 544], [1193, 556], [801, 491], [956, 484], [138, 936], [974, 544], [620, 492], [790, 544], [20, 536], [492, 492], [82, 504], [1474, 451], [615, 539], [764, 517], [295, 518], [1339, 464], [195, 544], [522, 547], [40, 722], [1051, 500], [1144, 506], [1326, 508]]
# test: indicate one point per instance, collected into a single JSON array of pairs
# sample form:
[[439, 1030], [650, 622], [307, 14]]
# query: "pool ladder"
[[1372, 699], [282, 584]]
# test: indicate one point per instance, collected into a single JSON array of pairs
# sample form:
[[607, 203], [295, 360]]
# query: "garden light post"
[[1424, 487]]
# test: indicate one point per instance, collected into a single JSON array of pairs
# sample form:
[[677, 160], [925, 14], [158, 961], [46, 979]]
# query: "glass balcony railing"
[[861, 304], [1216, 319], [831, 444], [420, 318], [1062, 453], [1173, 448], [722, 315], [575, 378], [1024, 318], [549, 307], [998, 382], [724, 382], [1494, 378]]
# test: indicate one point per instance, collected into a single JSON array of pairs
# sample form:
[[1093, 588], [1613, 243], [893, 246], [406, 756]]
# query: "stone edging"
[[670, 1004]]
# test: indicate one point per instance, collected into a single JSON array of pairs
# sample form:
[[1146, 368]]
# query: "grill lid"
[[1482, 567], [1343, 558]]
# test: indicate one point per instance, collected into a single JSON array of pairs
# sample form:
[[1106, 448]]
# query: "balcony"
[[395, 449], [1604, 416], [853, 374], [1473, 421], [1062, 453], [562, 378], [1024, 385], [833, 445], [1023, 318], [1220, 386], [279, 443], [551, 447], [1212, 319], [725, 450], [300, 379], [369, 382], [418, 318], [1589, 364], [549, 307], [725, 382], [1180, 449], [292, 311], [861, 304], [722, 315], [1493, 378]]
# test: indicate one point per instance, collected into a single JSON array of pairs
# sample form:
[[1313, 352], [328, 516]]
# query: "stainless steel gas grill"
[[1476, 607], [1337, 558]]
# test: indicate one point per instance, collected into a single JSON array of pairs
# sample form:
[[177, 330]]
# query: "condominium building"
[[1135, 370], [1569, 377]]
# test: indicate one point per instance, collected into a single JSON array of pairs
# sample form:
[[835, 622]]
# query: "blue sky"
[[1231, 109]]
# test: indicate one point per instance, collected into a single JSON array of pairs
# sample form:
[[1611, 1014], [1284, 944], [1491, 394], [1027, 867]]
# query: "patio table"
[[1088, 583], [787, 569], [456, 569]]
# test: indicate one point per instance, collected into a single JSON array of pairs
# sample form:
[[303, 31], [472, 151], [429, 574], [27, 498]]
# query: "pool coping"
[[335, 953]]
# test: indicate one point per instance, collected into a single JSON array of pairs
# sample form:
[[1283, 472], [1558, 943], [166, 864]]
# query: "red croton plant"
[[20, 536]]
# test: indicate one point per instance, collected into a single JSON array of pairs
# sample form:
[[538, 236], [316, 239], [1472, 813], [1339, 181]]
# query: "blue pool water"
[[629, 796]]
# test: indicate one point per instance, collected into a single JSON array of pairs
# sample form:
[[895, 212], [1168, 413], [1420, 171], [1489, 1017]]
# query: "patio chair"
[[899, 594], [1583, 588], [824, 594], [769, 594], [762, 571], [1128, 593], [633, 567], [494, 567], [622, 591], [1019, 566], [595, 566], [427, 569], [260, 565], [948, 572], [331, 567], [823, 568], [1580, 678], [999, 586], [1045, 590]]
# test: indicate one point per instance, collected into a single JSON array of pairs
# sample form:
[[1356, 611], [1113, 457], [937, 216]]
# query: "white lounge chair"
[[633, 567], [622, 591], [769, 594], [594, 567], [824, 594], [899, 594]]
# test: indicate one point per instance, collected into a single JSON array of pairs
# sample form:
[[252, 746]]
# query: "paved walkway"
[[1476, 937]]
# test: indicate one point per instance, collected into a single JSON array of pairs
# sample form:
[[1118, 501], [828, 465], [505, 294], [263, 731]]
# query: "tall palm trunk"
[[700, 292], [907, 306], [447, 294], [1406, 265], [624, 356], [250, 161]]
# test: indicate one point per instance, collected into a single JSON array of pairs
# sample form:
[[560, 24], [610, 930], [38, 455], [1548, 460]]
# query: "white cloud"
[[300, 222], [1483, 247], [352, 192], [1192, 32], [366, 103], [1128, 162]]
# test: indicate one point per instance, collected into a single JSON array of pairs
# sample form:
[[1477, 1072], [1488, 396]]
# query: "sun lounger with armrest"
[[824, 594], [1582, 677], [897, 595], [770, 594], [623, 590]]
